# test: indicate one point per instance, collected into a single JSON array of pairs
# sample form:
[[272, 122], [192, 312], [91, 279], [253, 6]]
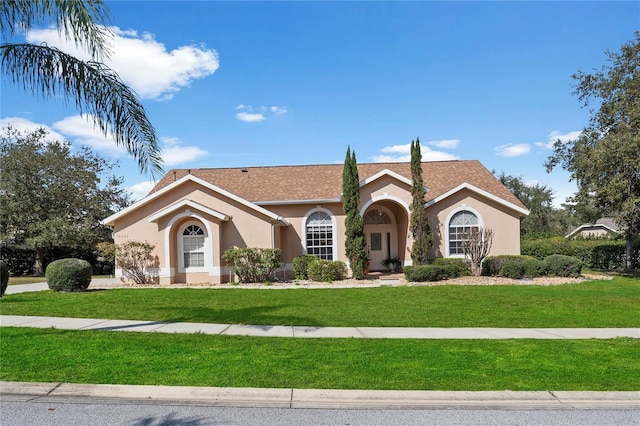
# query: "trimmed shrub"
[[69, 275], [455, 267], [563, 266], [492, 265], [327, 270], [512, 269], [422, 273], [301, 266], [4, 277], [533, 268], [253, 265]]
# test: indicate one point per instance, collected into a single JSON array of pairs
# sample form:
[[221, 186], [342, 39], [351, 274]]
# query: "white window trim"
[[196, 219], [452, 213], [334, 229], [207, 248]]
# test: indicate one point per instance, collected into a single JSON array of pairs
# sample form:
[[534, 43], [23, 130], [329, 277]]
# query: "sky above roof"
[[241, 84]]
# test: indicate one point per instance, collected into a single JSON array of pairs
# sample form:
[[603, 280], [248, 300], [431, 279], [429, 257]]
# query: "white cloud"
[[510, 150], [142, 62], [556, 135], [402, 153], [80, 129], [174, 153], [140, 190], [26, 126], [445, 143], [278, 110], [250, 118]]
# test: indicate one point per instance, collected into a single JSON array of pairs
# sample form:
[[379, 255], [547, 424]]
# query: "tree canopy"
[[51, 196], [95, 89], [604, 160], [544, 220]]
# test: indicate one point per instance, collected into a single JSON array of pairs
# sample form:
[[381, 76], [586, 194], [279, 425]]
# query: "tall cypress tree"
[[354, 234], [419, 226]]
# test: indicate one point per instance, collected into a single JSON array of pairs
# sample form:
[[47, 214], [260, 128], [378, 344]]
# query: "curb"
[[318, 398]]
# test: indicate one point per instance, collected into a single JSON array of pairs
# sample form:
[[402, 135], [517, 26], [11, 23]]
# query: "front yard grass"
[[49, 355], [601, 303]]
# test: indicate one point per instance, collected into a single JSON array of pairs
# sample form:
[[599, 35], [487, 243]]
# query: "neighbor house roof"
[[605, 223], [324, 182]]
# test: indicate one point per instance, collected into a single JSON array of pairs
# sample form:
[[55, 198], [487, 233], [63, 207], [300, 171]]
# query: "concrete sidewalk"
[[316, 332], [317, 398]]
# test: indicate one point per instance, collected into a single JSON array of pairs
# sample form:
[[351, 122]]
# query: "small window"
[[459, 226], [319, 235], [193, 246]]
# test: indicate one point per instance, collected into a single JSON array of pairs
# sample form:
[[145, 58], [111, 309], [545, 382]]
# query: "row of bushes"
[[594, 253], [521, 266], [310, 267], [439, 269]]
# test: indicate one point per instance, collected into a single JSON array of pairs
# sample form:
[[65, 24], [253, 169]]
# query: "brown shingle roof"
[[324, 181]]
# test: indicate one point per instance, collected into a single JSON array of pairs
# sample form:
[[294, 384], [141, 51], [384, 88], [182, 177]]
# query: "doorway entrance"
[[381, 237]]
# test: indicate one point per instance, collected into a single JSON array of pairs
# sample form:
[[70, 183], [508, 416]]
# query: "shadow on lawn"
[[254, 315]]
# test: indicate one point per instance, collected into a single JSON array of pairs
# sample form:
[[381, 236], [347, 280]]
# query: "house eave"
[[151, 197], [473, 188], [191, 204]]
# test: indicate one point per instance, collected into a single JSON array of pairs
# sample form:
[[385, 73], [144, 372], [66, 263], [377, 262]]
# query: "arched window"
[[319, 230], [376, 217], [193, 246], [459, 226]]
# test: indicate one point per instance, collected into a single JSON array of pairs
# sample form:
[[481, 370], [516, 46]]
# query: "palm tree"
[[95, 89]]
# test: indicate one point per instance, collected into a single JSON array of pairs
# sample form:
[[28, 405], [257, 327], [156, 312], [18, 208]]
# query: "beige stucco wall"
[[504, 222], [249, 227]]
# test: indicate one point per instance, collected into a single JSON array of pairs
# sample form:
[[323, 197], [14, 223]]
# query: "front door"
[[381, 245]]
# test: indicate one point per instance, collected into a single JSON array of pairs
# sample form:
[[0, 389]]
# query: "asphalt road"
[[69, 413]]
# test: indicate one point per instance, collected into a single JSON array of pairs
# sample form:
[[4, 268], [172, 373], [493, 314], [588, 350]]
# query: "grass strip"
[[606, 303], [50, 355]]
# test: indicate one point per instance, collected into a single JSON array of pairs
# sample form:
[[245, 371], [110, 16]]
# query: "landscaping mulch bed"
[[370, 281]]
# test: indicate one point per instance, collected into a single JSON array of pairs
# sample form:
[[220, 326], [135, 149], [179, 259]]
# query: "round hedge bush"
[[69, 275], [4, 277]]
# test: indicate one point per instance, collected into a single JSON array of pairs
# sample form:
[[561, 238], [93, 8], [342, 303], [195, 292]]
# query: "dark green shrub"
[[301, 266], [327, 270], [492, 265], [608, 256], [563, 266], [253, 265], [454, 267], [512, 269], [4, 277], [19, 260], [533, 268], [422, 273], [69, 275]]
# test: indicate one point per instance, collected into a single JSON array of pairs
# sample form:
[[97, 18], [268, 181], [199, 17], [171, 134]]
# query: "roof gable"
[[191, 178]]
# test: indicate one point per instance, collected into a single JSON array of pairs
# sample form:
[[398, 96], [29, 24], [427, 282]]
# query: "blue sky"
[[241, 84]]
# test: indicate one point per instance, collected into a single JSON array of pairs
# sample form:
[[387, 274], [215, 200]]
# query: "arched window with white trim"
[[320, 235], [193, 250], [459, 226]]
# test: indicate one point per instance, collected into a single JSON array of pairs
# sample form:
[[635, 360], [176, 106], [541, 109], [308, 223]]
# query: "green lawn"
[[605, 303], [48, 355]]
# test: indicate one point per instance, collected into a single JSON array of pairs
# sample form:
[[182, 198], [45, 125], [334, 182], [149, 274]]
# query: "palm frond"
[[83, 21], [94, 88]]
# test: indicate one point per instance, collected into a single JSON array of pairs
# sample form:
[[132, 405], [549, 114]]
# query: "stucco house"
[[603, 227], [192, 216]]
